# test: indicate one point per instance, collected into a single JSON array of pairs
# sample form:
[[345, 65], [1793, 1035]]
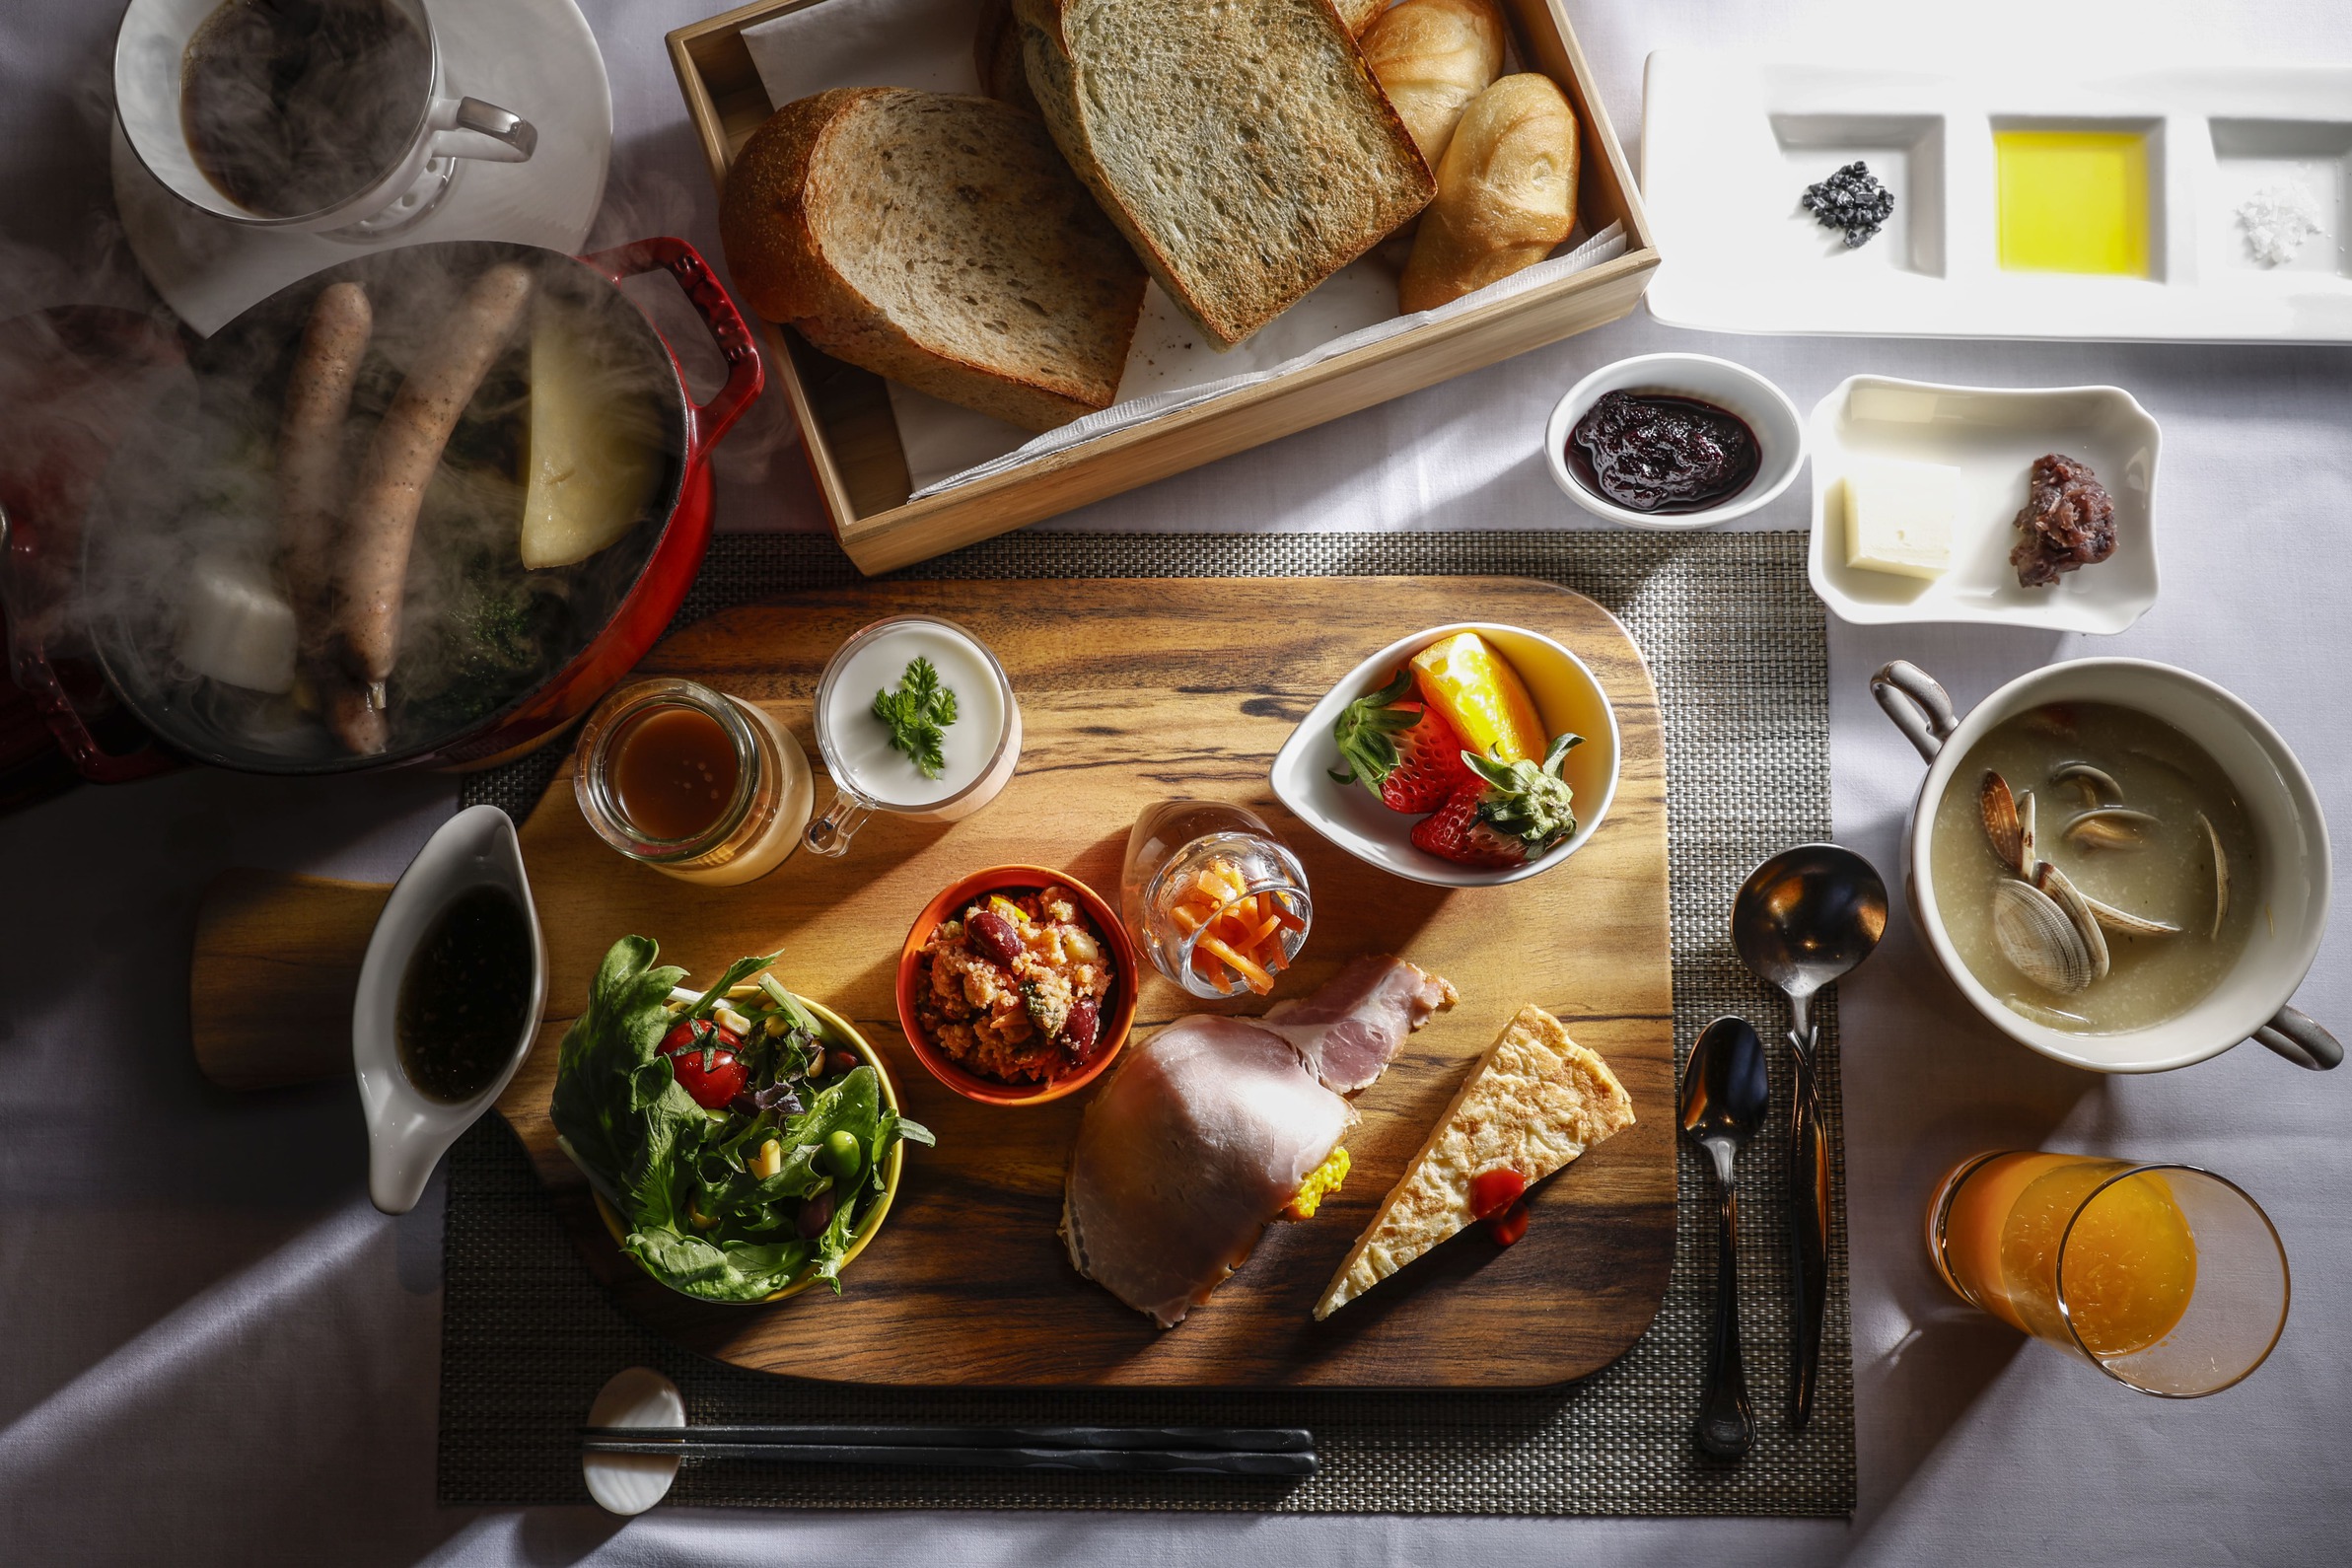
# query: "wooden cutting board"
[[1132, 691]]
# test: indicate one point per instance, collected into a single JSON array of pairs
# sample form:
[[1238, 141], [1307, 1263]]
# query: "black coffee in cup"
[[293, 106]]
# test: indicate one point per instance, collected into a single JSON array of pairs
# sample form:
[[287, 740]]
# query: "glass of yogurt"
[[979, 750]]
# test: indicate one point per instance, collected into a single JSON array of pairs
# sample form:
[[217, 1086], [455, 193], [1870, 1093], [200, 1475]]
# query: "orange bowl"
[[1116, 1020]]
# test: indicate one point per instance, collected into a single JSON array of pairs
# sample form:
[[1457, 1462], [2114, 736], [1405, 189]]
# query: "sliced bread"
[[939, 240], [1535, 1100], [1241, 146]]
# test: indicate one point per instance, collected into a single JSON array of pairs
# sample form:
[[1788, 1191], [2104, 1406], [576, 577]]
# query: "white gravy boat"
[[409, 1130]]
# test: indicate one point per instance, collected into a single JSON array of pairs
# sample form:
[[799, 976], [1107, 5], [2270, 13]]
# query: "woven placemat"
[[1736, 642]]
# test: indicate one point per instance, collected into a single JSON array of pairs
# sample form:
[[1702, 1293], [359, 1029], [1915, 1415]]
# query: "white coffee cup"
[[150, 61]]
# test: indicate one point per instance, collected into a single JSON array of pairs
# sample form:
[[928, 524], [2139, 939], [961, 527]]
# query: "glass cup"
[[2166, 1277], [1168, 848], [983, 746], [762, 817], [150, 53]]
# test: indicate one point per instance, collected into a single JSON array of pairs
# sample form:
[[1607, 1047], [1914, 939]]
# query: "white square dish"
[[1991, 435], [1729, 143], [1567, 697]]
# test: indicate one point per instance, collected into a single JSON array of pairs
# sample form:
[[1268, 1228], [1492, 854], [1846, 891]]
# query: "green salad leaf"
[[702, 1214]]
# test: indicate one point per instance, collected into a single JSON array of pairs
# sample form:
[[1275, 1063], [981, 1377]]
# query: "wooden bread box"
[[851, 436]]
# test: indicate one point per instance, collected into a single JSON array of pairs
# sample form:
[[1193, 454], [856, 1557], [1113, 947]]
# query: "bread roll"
[[996, 56], [1506, 193], [1432, 57], [1358, 14]]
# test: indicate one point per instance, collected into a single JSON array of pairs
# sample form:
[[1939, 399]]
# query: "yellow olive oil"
[[2073, 201]]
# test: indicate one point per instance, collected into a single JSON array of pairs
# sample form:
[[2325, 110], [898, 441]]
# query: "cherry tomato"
[[723, 1079], [1508, 1226], [1493, 1191]]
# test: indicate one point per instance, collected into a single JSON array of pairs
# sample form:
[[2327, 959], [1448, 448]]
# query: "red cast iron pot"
[[623, 598]]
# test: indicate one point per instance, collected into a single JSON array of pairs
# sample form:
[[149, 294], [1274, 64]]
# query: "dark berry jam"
[[1656, 453]]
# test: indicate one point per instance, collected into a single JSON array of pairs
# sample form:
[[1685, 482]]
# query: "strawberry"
[[1401, 748], [1505, 812]]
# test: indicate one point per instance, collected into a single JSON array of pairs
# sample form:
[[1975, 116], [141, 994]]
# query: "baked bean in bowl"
[[1017, 986]]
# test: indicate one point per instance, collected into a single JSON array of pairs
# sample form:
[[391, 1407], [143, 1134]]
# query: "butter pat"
[[1900, 515]]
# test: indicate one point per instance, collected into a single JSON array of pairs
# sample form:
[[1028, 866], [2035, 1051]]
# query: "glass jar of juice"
[[2167, 1277], [696, 784], [1217, 901]]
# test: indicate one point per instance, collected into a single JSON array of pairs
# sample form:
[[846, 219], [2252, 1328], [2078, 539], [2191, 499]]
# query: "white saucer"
[[535, 57]]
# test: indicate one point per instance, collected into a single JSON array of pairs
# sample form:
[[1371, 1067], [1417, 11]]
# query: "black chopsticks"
[[1179, 1450]]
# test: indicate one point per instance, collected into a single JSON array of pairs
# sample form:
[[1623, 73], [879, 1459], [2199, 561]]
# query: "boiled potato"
[[594, 456]]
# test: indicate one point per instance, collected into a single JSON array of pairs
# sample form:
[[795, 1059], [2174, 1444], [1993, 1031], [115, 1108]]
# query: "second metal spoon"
[[1723, 1105], [1802, 920]]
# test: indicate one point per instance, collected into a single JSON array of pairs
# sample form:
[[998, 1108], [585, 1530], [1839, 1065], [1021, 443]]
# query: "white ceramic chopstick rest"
[[409, 1130], [632, 1483]]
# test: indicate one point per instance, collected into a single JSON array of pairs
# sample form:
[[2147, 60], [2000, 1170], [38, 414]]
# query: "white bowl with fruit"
[[1466, 756]]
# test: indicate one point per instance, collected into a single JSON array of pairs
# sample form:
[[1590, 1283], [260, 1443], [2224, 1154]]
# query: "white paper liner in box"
[[1606, 245], [928, 45]]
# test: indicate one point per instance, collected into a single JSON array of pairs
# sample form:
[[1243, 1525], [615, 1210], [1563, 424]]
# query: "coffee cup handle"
[[1919, 707], [829, 836], [473, 128], [2299, 1037]]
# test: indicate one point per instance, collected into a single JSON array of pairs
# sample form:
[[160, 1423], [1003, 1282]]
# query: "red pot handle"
[[35, 677], [746, 375], [90, 759]]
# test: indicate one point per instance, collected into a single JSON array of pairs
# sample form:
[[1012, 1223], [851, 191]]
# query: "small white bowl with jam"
[[1673, 441]]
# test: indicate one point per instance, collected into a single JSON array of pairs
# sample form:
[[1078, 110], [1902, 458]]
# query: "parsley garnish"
[[917, 715]]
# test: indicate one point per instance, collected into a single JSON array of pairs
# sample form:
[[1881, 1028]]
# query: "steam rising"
[[189, 501]]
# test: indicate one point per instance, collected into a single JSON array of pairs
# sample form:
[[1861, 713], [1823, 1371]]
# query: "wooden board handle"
[[275, 967]]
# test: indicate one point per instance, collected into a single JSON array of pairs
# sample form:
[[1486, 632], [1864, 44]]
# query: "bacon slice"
[[1208, 1129]]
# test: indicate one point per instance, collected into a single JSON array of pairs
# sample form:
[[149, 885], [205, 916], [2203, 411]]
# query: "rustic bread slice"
[[939, 240], [1359, 14], [1241, 145], [1535, 1100]]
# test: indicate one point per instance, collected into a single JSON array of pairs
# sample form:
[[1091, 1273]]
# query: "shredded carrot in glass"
[[1238, 931]]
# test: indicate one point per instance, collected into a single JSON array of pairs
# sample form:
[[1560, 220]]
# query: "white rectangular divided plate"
[[1729, 146], [1991, 435]]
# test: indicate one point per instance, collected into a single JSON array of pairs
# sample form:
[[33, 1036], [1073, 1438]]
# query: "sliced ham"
[[1353, 1028], [1209, 1127], [1198, 1138]]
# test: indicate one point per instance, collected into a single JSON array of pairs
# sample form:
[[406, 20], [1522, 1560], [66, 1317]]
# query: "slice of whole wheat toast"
[[1534, 1100], [940, 241], [1243, 146]]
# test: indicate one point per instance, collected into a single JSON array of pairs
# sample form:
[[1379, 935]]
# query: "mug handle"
[[2300, 1038], [497, 135], [1919, 707], [829, 836]]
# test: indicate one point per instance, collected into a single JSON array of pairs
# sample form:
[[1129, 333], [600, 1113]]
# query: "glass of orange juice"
[[2166, 1277]]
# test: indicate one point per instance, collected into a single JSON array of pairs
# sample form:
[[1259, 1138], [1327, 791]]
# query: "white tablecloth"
[[216, 1351]]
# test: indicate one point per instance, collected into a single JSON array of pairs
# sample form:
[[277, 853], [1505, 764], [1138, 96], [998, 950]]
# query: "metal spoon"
[[1723, 1105], [1802, 920]]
